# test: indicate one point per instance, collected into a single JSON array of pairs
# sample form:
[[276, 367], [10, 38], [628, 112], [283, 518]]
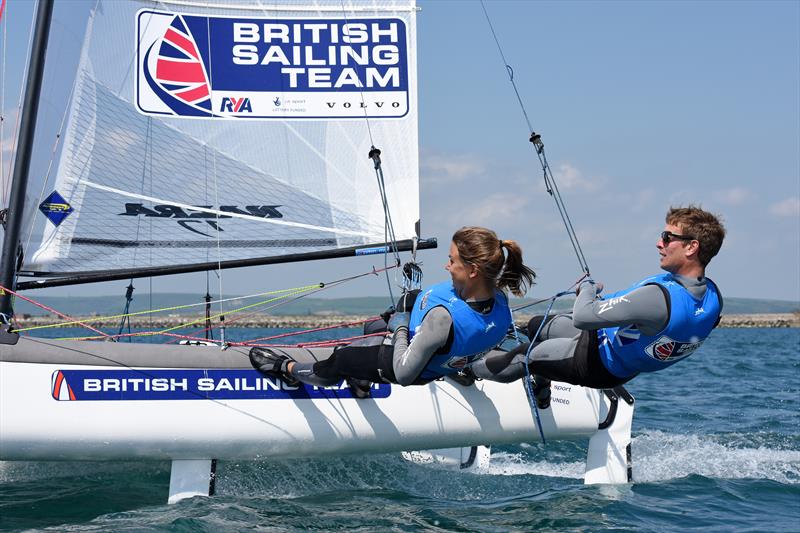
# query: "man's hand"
[[598, 286]]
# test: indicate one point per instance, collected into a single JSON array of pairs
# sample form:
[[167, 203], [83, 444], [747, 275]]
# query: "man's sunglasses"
[[668, 236]]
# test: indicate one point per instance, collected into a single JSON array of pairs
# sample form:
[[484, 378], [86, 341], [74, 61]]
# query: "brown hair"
[[481, 247], [701, 225]]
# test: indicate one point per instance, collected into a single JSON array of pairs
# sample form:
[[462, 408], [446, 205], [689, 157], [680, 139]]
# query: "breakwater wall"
[[767, 320]]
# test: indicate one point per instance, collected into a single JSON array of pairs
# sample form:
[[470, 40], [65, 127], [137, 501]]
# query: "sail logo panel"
[[55, 208], [271, 68], [216, 384]]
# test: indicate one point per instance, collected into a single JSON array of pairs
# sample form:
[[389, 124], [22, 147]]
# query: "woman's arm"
[[410, 359]]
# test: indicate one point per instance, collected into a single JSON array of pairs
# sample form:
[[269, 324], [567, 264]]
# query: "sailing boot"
[[541, 391], [272, 364], [360, 388]]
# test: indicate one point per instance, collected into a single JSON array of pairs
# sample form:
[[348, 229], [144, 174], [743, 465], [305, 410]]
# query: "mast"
[[19, 184]]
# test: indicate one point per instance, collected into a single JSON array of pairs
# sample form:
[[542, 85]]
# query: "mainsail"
[[202, 133]]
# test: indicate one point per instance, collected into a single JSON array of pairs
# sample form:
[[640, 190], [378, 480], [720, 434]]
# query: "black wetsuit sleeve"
[[409, 359], [646, 307]]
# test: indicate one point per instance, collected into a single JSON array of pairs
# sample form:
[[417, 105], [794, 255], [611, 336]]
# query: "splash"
[[659, 456], [519, 464]]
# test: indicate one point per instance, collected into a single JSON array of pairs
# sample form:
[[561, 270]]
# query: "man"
[[651, 325]]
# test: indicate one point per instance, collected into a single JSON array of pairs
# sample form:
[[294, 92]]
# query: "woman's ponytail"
[[515, 276]]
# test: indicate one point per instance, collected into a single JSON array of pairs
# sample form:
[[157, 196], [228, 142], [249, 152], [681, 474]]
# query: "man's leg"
[[556, 327], [552, 359]]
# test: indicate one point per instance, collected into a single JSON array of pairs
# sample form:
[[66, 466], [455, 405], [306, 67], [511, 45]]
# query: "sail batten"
[[199, 149]]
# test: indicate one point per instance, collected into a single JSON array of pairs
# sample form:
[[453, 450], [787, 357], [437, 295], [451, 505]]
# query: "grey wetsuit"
[[563, 350], [400, 362]]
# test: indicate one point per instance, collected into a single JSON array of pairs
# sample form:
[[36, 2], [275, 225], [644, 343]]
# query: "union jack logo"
[[663, 351]]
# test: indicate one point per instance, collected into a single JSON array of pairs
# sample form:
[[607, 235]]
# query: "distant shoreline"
[[765, 320]]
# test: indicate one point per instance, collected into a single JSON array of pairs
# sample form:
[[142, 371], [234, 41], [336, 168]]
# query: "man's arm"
[[409, 360], [646, 307]]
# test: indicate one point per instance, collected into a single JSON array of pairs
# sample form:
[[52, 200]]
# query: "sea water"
[[716, 447]]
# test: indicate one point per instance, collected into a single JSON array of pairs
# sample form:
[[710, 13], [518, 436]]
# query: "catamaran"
[[207, 136]]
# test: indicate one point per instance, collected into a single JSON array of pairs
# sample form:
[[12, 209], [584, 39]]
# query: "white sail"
[[199, 134]]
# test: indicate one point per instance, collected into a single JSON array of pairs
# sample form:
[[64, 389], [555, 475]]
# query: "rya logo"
[[235, 105]]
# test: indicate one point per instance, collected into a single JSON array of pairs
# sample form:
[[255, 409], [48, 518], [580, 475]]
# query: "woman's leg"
[[359, 362]]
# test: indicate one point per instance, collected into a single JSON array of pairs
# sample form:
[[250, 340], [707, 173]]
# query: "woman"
[[452, 323]]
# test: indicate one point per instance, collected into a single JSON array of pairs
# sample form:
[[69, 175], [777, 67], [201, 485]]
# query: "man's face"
[[674, 252], [460, 272]]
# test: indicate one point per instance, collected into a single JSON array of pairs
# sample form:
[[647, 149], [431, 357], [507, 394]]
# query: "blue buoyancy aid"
[[473, 333], [626, 351]]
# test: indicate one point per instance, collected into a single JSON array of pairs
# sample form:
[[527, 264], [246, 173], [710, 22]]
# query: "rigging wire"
[[294, 294], [536, 140], [19, 104], [389, 236], [3, 103]]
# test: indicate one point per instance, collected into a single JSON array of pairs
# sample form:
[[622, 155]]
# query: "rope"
[[163, 309], [528, 390], [314, 330], [322, 286], [19, 103], [51, 310], [185, 325], [536, 140], [537, 302], [297, 293]]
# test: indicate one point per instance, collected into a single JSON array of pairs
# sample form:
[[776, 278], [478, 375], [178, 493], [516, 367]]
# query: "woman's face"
[[463, 274]]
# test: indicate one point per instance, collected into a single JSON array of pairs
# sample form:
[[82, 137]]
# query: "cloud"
[[498, 208], [448, 169], [733, 196], [569, 177], [789, 207], [642, 200]]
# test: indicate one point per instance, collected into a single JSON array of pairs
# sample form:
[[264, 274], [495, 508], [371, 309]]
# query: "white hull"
[[41, 419]]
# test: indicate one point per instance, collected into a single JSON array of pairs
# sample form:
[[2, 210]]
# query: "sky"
[[641, 106]]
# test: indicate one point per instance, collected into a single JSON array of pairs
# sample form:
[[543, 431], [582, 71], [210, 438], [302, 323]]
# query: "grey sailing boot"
[[272, 364]]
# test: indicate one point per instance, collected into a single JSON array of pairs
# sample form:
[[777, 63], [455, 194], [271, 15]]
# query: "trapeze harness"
[[474, 333], [625, 351]]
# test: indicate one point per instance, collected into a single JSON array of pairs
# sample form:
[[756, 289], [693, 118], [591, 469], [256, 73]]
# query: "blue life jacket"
[[626, 351], [474, 333]]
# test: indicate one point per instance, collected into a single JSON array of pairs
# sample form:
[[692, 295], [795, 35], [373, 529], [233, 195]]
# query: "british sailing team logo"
[[174, 70], [60, 389], [128, 384], [667, 349], [224, 67]]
